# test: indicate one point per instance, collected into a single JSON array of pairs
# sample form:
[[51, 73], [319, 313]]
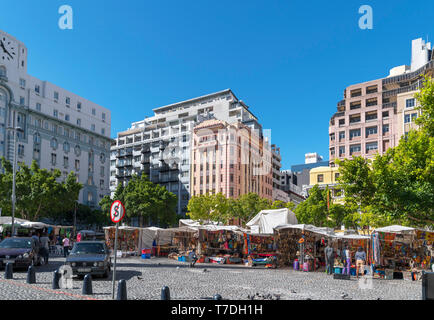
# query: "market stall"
[[220, 244], [182, 241], [128, 240], [352, 242], [266, 220], [303, 245], [260, 249], [399, 252]]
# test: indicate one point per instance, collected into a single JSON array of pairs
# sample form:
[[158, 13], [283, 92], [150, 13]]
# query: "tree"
[[397, 187], [314, 209], [150, 202], [38, 191]]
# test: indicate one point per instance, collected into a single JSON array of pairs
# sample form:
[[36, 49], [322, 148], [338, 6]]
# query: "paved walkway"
[[145, 278]]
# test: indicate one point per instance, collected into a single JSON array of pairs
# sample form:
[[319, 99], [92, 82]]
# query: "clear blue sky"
[[288, 60]]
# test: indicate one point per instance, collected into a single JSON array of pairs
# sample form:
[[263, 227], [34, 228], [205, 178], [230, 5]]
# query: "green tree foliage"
[[39, 193], [217, 207], [150, 202], [397, 187]]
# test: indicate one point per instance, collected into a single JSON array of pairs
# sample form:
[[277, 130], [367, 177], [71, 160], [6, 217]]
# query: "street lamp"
[[15, 130]]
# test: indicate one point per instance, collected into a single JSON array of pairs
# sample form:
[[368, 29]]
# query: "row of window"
[[357, 132], [371, 146], [369, 116], [56, 99]]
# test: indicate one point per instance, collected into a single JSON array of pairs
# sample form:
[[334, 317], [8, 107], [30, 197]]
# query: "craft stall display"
[[260, 249], [184, 239], [128, 240], [401, 254], [220, 246], [301, 247]]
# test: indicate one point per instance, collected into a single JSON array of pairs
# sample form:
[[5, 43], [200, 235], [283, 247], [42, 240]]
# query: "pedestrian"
[[65, 242], [35, 238], [45, 247], [360, 258], [329, 258], [347, 260], [193, 258]]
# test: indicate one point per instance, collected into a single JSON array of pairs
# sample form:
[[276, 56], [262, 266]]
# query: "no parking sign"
[[117, 211]]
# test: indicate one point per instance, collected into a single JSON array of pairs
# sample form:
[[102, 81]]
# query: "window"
[[38, 107], [2, 71], [56, 96], [53, 143], [371, 102], [21, 150], [385, 114], [320, 178], [354, 133], [371, 116], [103, 131], [66, 147], [332, 137], [355, 148], [53, 159], [37, 89], [406, 118], [103, 117], [22, 101], [413, 117], [37, 138], [22, 83], [93, 111], [371, 146], [67, 117], [355, 105], [409, 103], [65, 162], [355, 118], [341, 135], [55, 113], [78, 122], [79, 106], [371, 130], [92, 127], [336, 176], [385, 128], [68, 101], [77, 165]]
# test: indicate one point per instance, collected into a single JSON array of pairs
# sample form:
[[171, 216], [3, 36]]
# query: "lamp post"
[[15, 130]]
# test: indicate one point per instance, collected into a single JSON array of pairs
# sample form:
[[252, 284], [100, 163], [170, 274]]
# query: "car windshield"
[[16, 243], [88, 248]]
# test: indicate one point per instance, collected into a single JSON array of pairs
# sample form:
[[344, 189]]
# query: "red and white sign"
[[117, 211]]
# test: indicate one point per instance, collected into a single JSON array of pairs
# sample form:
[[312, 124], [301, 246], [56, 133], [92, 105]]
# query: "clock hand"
[[4, 49]]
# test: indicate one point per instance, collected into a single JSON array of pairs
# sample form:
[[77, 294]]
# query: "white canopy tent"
[[266, 220], [308, 227], [395, 229]]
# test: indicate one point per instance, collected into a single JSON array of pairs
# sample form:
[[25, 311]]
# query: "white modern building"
[[61, 129], [160, 146]]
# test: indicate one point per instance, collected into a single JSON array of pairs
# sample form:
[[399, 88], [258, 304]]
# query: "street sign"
[[117, 211]]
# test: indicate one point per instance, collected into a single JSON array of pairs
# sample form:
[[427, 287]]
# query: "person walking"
[[360, 258], [65, 242], [45, 247], [329, 258], [347, 260], [193, 258]]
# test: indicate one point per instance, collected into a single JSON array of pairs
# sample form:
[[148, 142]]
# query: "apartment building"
[[326, 177], [407, 113], [61, 130], [231, 159], [160, 146], [278, 192], [367, 119]]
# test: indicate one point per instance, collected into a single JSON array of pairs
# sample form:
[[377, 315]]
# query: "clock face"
[[8, 49]]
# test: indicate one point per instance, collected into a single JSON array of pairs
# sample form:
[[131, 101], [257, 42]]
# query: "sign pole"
[[114, 266]]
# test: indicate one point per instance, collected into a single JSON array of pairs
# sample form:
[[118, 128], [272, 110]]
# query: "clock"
[[7, 49]]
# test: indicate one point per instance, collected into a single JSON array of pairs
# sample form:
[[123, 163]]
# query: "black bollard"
[[9, 271], [122, 290], [165, 293], [87, 285], [56, 278], [217, 297], [31, 275]]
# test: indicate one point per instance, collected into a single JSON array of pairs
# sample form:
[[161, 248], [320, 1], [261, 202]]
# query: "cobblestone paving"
[[145, 278]]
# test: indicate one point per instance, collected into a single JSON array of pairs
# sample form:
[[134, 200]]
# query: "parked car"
[[90, 257], [22, 252]]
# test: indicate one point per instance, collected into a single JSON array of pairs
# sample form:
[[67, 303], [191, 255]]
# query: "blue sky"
[[288, 60]]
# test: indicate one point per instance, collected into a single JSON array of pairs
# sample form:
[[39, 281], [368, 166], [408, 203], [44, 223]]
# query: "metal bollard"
[[87, 285], [31, 275], [165, 293], [9, 271], [56, 278], [217, 297], [122, 290]]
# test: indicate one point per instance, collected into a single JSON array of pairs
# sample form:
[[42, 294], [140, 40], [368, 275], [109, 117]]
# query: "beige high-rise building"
[[375, 114], [232, 159]]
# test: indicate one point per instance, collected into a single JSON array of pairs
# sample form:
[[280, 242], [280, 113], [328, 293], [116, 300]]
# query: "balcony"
[[389, 105], [125, 153]]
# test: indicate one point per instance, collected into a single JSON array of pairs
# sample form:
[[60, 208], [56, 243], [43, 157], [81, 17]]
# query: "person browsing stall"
[[360, 258]]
